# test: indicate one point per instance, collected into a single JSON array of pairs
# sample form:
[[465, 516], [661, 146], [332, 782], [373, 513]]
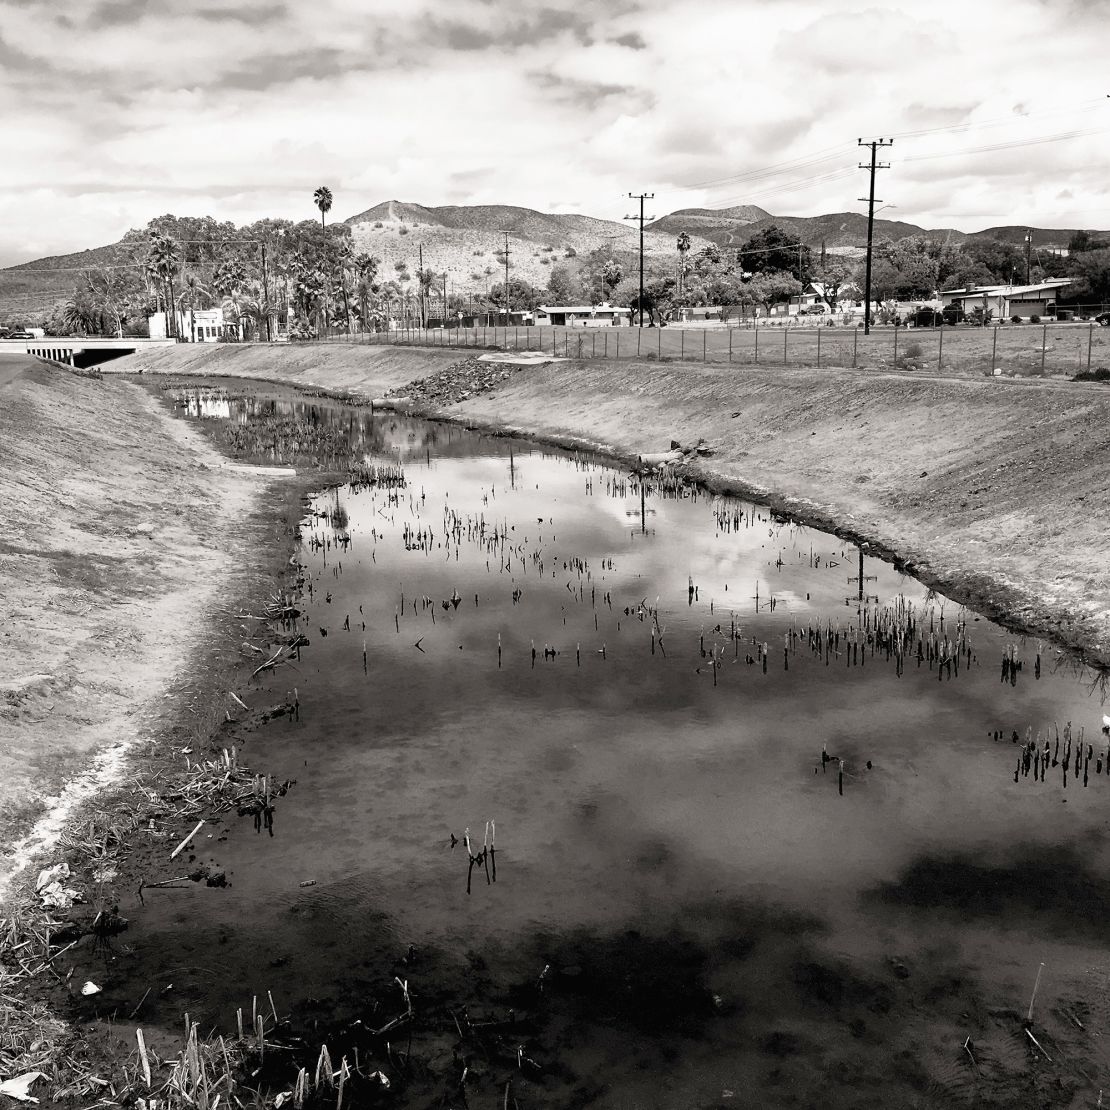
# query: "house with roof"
[[1006, 301], [583, 316]]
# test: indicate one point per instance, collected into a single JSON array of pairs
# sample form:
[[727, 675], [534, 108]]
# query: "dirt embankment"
[[994, 491], [124, 530]]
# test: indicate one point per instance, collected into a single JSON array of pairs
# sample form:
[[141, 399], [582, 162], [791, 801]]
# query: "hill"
[[840, 232], [706, 221], [466, 241]]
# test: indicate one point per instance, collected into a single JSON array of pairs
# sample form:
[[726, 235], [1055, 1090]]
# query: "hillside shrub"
[[570, 252], [378, 223], [1099, 374], [402, 230], [1015, 319], [1034, 319]]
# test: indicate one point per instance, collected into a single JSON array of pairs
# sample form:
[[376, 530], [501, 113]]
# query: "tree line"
[[308, 276]]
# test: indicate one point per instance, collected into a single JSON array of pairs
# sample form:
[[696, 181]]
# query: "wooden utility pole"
[[641, 197], [873, 166], [508, 304]]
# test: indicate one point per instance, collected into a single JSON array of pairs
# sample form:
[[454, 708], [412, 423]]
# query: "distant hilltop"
[[467, 241]]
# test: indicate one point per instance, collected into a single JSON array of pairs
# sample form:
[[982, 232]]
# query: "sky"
[[113, 112]]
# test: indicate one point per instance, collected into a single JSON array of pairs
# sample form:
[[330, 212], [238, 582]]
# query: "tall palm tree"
[[192, 290], [163, 260], [322, 197], [683, 248]]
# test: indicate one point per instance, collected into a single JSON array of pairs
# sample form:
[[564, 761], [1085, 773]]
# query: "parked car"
[[21, 335], [954, 314], [925, 318], [1103, 319], [812, 309]]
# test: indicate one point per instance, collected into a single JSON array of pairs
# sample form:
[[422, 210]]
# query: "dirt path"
[[992, 490], [122, 532]]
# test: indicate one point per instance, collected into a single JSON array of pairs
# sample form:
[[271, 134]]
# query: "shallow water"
[[725, 918]]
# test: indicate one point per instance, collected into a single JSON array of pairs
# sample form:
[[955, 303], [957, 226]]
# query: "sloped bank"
[[992, 491], [124, 533]]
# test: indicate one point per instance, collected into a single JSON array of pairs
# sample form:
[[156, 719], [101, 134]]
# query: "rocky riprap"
[[461, 380]]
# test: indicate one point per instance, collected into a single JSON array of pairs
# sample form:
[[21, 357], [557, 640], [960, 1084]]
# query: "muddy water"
[[693, 906]]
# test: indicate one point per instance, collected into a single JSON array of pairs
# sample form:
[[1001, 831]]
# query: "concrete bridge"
[[80, 351]]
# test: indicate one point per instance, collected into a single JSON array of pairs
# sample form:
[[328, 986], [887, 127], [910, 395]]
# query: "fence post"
[[552, 340], [730, 344], [704, 340], [580, 348], [756, 327], [940, 349], [1044, 345], [639, 332], [1090, 340], [855, 345], [682, 343], [659, 340], [818, 346], [605, 346], [618, 345], [895, 345], [785, 335]]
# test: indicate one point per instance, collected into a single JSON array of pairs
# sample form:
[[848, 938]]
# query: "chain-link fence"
[[1008, 349]]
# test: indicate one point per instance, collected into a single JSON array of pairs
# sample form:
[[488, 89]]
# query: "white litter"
[[91, 988], [51, 889], [20, 1087]]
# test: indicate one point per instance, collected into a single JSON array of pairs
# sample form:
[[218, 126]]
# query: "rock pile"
[[469, 378]]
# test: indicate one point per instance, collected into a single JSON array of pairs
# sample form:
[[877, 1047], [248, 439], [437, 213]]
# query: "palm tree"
[[193, 287], [162, 263], [683, 247], [322, 197]]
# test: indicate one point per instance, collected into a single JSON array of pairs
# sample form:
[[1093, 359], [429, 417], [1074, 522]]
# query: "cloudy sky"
[[115, 111]]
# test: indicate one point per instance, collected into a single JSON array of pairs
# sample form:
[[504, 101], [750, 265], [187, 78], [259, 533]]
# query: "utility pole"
[[507, 304], [873, 166], [266, 294], [641, 197], [1028, 256], [420, 278]]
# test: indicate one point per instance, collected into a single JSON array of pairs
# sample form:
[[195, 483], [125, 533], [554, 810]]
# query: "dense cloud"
[[116, 110]]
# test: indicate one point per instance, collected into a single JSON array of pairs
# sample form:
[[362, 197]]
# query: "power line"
[[1063, 136]]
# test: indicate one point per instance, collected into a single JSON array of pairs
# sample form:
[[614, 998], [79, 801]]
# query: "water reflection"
[[738, 772]]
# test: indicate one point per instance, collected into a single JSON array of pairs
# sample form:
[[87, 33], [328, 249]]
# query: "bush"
[[1099, 374], [1034, 319], [378, 223], [913, 350], [402, 230], [1015, 319], [570, 252]]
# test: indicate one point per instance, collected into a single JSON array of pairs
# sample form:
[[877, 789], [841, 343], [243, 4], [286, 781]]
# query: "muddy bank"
[[989, 490], [125, 532]]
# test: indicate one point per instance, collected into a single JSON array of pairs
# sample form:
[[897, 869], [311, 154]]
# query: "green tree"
[[833, 275], [775, 249], [772, 289], [563, 287]]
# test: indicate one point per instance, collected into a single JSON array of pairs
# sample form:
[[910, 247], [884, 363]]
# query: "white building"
[[1005, 301], [583, 316], [202, 325]]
